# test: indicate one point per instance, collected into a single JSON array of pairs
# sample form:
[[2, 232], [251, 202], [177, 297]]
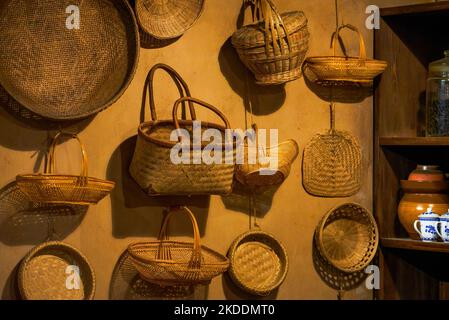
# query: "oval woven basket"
[[258, 263], [64, 189], [341, 70], [168, 19], [269, 174], [62, 72], [170, 263], [275, 47], [47, 273], [347, 237]]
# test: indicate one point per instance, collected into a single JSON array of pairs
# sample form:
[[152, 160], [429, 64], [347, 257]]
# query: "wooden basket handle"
[[163, 234], [362, 47], [182, 86], [50, 166], [201, 103]]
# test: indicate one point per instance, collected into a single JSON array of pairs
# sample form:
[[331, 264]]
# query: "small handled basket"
[[347, 237], [275, 47], [64, 189], [46, 274], [343, 70], [170, 263], [152, 166]]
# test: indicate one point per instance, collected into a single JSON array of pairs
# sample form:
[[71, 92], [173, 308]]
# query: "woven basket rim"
[[47, 177], [322, 224], [330, 59], [173, 35], [284, 261], [55, 244], [114, 99]]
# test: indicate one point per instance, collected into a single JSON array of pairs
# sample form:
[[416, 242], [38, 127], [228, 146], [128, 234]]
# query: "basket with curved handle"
[[336, 35], [167, 262]]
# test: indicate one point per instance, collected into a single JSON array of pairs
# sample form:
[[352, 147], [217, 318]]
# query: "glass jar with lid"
[[437, 101]]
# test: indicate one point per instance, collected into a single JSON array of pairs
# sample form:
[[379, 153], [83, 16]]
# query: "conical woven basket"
[[275, 47], [152, 166], [168, 19], [64, 189], [169, 263], [332, 164], [50, 272], [258, 263], [347, 237], [341, 70]]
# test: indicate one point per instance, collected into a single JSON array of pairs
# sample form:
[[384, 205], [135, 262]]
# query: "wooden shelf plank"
[[414, 141], [415, 9], [409, 244]]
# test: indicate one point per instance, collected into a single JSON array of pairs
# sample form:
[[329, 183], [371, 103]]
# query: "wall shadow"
[[265, 100], [126, 284], [232, 292], [25, 223], [11, 288], [128, 200], [333, 277]]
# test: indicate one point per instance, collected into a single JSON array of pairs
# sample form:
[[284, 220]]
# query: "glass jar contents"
[[437, 103]]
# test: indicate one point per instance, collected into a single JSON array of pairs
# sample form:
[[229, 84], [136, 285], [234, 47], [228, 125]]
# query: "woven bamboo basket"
[[332, 163], [170, 263], [275, 47], [152, 167], [258, 263], [64, 189], [168, 19], [347, 237], [342, 70], [45, 274], [267, 174], [60, 72]]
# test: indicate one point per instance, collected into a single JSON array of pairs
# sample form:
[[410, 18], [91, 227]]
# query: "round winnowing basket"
[[347, 237], [61, 70], [341, 70], [168, 19], [258, 263], [332, 163], [64, 189], [170, 263], [56, 271], [275, 46]]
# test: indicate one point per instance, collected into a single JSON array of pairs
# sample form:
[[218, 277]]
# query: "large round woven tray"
[[258, 263], [64, 189], [62, 73], [46, 273], [347, 237]]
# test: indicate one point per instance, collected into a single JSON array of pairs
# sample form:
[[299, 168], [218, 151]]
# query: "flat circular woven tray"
[[259, 263], [61, 73], [44, 274]]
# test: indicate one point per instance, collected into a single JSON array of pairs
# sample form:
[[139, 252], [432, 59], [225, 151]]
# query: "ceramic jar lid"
[[445, 216], [429, 214]]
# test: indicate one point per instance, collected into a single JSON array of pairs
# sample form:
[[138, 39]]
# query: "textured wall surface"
[[204, 57]]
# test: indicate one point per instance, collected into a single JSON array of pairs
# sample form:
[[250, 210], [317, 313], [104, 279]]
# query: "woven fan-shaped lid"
[[168, 19], [254, 35]]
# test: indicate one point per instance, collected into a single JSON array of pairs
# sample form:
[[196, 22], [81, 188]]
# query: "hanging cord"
[[253, 224], [332, 117]]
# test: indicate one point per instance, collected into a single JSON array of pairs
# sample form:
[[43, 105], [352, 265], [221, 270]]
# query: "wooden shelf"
[[409, 244], [414, 141], [415, 9]]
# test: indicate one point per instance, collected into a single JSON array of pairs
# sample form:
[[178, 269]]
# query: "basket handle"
[[362, 47], [182, 86], [163, 234], [201, 103], [265, 10], [50, 166]]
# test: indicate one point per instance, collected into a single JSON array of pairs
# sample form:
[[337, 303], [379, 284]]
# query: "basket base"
[[278, 78], [173, 283]]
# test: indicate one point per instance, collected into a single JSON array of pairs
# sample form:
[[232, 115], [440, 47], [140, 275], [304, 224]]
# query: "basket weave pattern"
[[166, 262], [347, 237]]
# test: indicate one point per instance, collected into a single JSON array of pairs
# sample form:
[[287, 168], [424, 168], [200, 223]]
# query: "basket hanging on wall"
[[50, 187], [169, 263], [152, 167], [332, 163], [275, 46]]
